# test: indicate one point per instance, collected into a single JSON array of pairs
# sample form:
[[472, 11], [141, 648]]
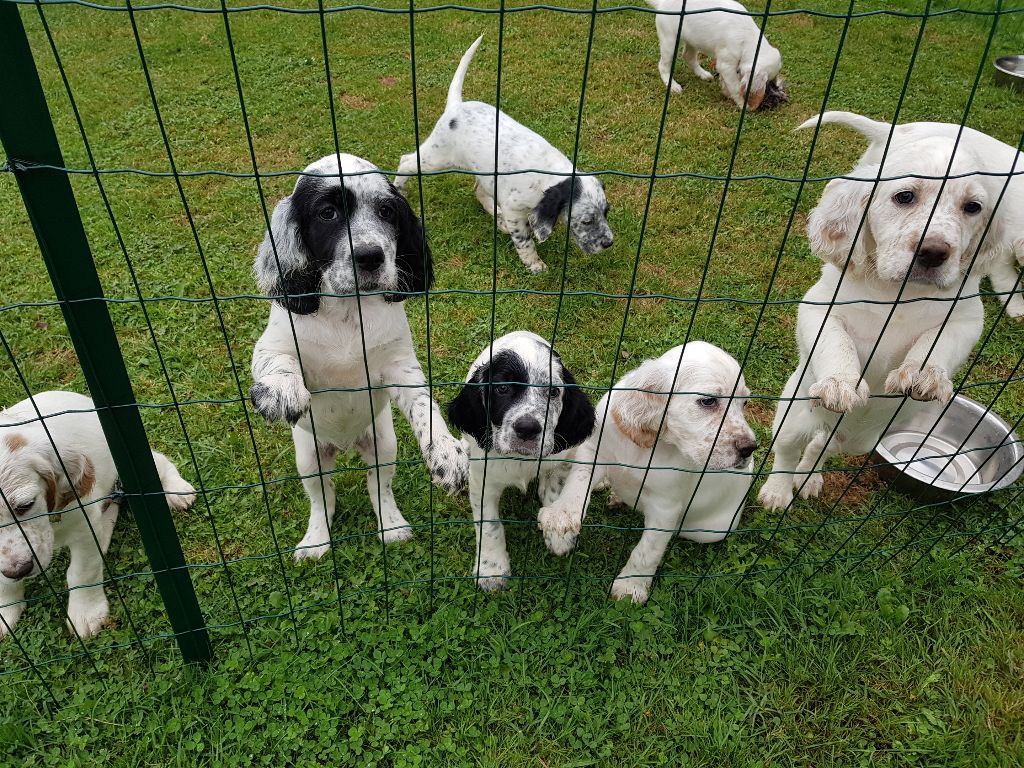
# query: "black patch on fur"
[[576, 421], [453, 124], [554, 201], [413, 260], [774, 95], [470, 410]]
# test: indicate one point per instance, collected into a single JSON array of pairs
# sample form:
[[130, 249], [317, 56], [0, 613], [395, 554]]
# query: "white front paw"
[[448, 462], [921, 383], [840, 395], [776, 493], [401, 532], [87, 614], [180, 495], [280, 397], [492, 576], [561, 526], [634, 588], [812, 487]]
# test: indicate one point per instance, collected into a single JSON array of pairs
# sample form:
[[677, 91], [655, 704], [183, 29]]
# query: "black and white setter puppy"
[[538, 190], [342, 253], [519, 405]]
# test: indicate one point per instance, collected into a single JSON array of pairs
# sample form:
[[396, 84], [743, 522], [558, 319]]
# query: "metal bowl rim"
[[1001, 66]]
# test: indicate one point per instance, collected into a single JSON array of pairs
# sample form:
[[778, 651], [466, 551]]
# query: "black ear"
[[467, 411], [544, 217], [576, 421], [413, 260], [283, 266]]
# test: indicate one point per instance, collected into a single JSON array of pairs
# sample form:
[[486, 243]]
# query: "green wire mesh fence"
[[182, 125]]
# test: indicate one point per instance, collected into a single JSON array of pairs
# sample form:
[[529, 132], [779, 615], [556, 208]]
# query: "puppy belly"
[[341, 418]]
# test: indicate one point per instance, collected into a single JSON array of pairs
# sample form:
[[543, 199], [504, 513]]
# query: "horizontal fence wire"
[[181, 293]]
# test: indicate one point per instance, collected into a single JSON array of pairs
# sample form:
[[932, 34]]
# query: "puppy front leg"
[[839, 386], [1005, 276], [562, 520], [12, 604], [522, 238], [634, 580], [492, 567], [391, 525], [279, 393], [446, 457], [924, 374], [180, 493], [87, 601]]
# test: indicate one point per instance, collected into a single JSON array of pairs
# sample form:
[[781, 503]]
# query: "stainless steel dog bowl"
[[1010, 71], [966, 449]]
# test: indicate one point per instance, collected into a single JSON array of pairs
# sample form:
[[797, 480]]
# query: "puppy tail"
[[874, 131], [455, 89]]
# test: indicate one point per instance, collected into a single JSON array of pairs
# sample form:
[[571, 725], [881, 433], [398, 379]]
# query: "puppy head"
[[766, 88], [702, 401], [910, 227], [334, 235], [589, 213], [33, 485], [520, 399]]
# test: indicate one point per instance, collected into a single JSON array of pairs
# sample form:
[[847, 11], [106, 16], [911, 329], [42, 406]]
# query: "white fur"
[[729, 35], [1004, 244], [703, 507], [34, 486], [853, 357], [464, 139]]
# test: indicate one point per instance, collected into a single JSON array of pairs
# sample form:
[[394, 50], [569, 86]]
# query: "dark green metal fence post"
[[29, 139]]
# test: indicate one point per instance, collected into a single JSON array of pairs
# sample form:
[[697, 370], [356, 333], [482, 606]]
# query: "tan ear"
[[637, 413], [59, 492], [754, 100]]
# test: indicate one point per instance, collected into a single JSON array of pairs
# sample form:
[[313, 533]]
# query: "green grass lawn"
[[856, 629]]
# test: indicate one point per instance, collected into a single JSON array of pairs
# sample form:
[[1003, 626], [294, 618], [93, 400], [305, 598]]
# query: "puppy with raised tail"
[[703, 429], [723, 30], [913, 246], [354, 237], [536, 188], [1004, 243], [34, 485], [519, 405]]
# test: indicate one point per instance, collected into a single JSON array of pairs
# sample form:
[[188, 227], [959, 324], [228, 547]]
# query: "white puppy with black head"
[[346, 235], [527, 204], [520, 404], [913, 246], [79, 485], [703, 429], [1004, 242], [723, 30]]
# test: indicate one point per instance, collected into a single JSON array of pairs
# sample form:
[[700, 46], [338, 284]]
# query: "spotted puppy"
[[519, 405], [700, 460], [36, 482], [346, 231], [539, 189]]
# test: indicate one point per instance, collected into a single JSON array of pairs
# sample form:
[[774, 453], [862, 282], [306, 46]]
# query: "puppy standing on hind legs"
[[34, 485], [357, 238], [703, 427]]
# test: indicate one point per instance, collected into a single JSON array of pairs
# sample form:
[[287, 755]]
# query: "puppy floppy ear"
[[833, 223], [413, 260], [576, 421], [637, 413], [545, 215], [61, 487], [467, 411], [284, 268], [757, 91]]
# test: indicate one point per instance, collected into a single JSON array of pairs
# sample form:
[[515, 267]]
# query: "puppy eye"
[[708, 402], [972, 207], [328, 213], [606, 209], [502, 389], [386, 211], [24, 509], [554, 392], [906, 197]]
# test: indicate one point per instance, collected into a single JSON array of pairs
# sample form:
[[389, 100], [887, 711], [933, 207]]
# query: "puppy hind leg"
[[409, 166], [692, 57], [315, 464], [667, 42], [526, 249], [1004, 275], [180, 493], [391, 525]]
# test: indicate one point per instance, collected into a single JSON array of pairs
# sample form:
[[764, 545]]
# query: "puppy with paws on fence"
[[682, 414], [535, 187], [343, 251], [520, 405], [77, 481], [895, 311]]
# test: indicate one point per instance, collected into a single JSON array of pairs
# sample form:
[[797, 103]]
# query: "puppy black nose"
[[606, 242], [368, 257], [526, 427], [745, 448], [932, 255], [17, 571]]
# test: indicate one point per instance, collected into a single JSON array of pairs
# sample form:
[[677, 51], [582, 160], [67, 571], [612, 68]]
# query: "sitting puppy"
[[34, 485], [914, 247], [527, 204], [359, 239], [703, 428], [516, 390], [723, 30], [1004, 243]]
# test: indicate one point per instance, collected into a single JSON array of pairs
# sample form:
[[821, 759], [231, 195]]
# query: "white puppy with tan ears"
[[34, 485], [520, 405], [723, 30], [913, 247], [701, 465]]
